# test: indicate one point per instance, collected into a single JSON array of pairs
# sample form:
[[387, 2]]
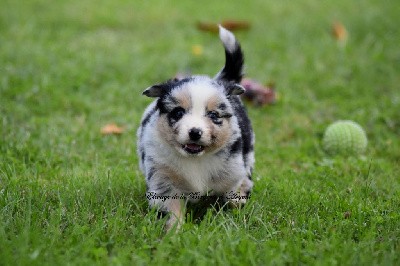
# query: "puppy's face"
[[195, 117]]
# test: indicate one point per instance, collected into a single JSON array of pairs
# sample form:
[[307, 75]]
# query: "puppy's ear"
[[234, 89], [157, 90]]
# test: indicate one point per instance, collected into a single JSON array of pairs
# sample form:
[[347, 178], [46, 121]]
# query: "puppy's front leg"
[[176, 209], [163, 195]]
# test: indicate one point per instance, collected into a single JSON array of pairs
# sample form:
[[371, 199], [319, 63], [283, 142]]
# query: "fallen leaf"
[[257, 93], [112, 129], [339, 32], [210, 27], [232, 25]]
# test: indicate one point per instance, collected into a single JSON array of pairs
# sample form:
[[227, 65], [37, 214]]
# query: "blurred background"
[[70, 67]]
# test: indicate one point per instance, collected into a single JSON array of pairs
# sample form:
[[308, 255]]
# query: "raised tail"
[[234, 59]]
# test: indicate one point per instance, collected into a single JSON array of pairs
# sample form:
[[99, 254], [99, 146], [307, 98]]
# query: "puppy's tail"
[[233, 69]]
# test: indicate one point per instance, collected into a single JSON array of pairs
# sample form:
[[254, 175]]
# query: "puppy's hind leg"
[[239, 196]]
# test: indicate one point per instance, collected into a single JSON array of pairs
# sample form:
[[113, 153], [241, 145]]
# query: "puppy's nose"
[[195, 134]]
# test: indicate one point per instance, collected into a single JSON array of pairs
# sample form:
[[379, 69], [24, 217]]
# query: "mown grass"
[[69, 195]]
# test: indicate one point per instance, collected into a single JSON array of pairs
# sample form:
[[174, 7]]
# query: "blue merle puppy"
[[196, 138]]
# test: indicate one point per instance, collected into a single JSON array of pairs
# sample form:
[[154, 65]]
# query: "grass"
[[69, 195]]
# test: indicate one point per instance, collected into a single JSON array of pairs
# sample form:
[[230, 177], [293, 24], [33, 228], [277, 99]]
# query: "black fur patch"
[[164, 102], [175, 115], [232, 70], [236, 146], [151, 172], [146, 120], [222, 106], [163, 188], [166, 98], [161, 214], [244, 125], [161, 105]]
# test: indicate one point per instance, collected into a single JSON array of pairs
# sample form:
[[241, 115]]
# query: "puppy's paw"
[[173, 224]]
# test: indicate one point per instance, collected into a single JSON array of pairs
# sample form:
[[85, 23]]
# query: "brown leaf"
[[205, 26], [339, 32], [112, 129], [232, 25], [257, 93]]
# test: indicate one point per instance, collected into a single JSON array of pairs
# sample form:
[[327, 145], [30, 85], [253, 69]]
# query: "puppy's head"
[[195, 114]]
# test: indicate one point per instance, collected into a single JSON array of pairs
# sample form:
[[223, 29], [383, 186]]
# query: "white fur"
[[169, 162], [201, 92], [227, 38], [197, 171]]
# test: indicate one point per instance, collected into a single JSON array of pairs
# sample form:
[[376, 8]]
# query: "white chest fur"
[[203, 174]]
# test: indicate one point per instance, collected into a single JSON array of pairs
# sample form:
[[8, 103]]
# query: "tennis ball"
[[344, 138]]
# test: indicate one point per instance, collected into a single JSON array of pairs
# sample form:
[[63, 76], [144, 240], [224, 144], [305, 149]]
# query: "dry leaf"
[[232, 25], [211, 27], [112, 129], [257, 93], [339, 32]]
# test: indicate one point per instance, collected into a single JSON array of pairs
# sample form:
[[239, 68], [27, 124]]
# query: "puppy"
[[196, 140]]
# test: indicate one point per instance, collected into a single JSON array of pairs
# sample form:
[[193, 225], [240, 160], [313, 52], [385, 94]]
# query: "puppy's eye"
[[213, 115], [177, 113]]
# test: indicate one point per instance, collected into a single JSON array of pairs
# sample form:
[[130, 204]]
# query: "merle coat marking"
[[197, 138]]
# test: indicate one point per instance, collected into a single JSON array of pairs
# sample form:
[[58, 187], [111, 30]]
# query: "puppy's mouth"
[[193, 148]]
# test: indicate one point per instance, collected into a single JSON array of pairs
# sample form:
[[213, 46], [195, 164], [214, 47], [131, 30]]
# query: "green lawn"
[[69, 195]]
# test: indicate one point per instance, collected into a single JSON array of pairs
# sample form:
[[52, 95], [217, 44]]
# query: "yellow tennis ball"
[[344, 138]]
